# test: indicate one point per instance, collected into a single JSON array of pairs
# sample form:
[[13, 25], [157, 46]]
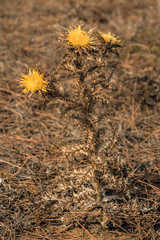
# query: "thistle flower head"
[[79, 38], [33, 82], [110, 38]]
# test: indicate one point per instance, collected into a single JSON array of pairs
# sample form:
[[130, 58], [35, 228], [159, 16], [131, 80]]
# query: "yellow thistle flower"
[[33, 82], [79, 38], [109, 38]]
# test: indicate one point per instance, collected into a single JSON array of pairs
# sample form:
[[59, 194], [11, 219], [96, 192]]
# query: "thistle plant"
[[86, 95]]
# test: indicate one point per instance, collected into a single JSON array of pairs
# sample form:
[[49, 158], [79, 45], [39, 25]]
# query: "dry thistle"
[[81, 103]]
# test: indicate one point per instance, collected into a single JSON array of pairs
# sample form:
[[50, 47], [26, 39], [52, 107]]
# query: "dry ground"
[[28, 171]]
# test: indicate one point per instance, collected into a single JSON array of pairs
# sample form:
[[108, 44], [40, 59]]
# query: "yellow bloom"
[[79, 38], [109, 38], [33, 82]]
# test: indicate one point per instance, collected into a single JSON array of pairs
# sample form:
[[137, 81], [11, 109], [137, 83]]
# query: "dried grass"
[[45, 197]]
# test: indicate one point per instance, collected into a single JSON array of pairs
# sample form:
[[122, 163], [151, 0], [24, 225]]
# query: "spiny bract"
[[110, 38]]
